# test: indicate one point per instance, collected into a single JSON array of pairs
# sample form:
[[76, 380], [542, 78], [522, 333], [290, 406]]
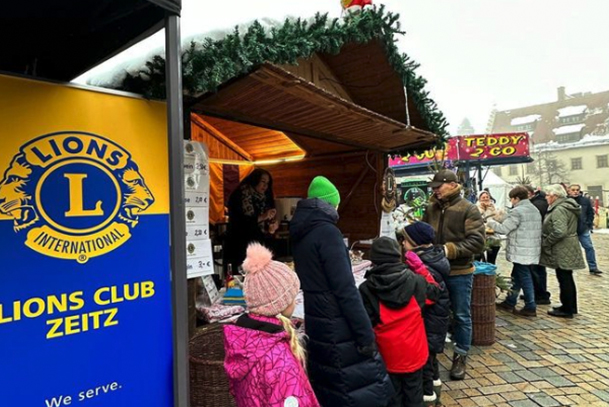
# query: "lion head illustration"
[[135, 194], [16, 193]]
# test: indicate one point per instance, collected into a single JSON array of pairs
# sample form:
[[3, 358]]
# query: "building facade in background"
[[569, 142]]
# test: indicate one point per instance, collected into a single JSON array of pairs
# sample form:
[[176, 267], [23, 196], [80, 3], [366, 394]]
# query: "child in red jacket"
[[394, 297]]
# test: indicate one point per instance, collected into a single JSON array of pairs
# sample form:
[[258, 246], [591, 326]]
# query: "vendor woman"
[[251, 216]]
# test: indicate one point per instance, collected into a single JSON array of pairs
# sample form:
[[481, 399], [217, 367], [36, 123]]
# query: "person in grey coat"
[[523, 229], [560, 247]]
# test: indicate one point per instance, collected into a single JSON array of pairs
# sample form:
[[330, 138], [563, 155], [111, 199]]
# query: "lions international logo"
[[76, 195]]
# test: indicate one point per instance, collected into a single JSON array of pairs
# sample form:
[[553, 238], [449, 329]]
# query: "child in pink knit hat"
[[264, 359]]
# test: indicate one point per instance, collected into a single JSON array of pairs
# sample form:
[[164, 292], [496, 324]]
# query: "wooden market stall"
[[303, 98]]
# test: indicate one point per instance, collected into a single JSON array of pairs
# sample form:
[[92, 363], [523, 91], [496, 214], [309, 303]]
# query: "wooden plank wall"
[[359, 218]]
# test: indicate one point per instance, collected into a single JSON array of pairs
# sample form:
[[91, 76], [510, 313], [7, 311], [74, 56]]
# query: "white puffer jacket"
[[523, 229]]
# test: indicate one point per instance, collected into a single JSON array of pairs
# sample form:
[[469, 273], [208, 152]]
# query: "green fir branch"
[[208, 64]]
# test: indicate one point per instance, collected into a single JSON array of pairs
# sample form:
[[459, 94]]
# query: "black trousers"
[[408, 389], [540, 282], [568, 292], [491, 254], [431, 372]]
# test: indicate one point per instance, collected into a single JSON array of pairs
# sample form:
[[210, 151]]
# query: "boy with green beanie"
[[337, 322], [323, 189]]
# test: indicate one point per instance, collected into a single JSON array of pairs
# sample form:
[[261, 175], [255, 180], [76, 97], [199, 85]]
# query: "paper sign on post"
[[199, 255]]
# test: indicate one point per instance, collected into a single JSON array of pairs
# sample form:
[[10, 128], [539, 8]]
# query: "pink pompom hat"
[[270, 286]]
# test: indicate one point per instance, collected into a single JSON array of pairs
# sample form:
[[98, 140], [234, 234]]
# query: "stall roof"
[[273, 98], [361, 51], [60, 39]]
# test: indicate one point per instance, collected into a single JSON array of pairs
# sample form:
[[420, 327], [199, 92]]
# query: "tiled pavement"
[[543, 361]]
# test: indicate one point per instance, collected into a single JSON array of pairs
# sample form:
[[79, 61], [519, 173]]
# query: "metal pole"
[[175, 126]]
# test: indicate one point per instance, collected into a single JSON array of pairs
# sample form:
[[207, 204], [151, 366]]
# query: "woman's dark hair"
[[485, 192], [253, 179], [519, 192]]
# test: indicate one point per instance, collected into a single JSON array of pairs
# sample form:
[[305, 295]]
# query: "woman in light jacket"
[[487, 209], [560, 247], [523, 229]]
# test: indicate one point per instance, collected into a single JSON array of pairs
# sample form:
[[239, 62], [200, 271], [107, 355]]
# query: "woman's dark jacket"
[[344, 367], [242, 228], [437, 315]]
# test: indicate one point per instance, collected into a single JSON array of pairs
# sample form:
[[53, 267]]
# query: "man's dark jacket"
[[459, 227], [586, 217]]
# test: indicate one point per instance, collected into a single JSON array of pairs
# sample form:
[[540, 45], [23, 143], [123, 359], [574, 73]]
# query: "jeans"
[[586, 241], [522, 279], [568, 292], [540, 282], [460, 293]]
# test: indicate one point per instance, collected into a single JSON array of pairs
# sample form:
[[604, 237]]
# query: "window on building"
[[576, 163], [568, 138], [551, 165], [497, 171], [530, 168], [571, 119], [601, 161], [513, 170], [526, 127]]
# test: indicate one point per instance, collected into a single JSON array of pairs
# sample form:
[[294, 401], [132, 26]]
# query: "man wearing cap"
[[460, 230], [344, 365]]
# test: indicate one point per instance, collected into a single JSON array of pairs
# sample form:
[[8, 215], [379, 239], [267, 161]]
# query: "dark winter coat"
[[586, 217], [460, 228], [394, 298], [243, 229], [437, 315], [560, 246], [344, 367], [539, 200]]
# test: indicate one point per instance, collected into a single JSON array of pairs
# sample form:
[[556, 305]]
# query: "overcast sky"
[[474, 53]]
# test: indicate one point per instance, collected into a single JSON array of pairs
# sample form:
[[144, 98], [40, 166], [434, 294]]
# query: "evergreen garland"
[[209, 64]]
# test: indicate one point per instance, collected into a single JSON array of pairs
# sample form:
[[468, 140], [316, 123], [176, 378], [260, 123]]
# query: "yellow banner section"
[[30, 109], [80, 248]]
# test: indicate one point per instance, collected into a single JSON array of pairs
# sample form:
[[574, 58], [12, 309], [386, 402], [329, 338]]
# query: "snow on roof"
[[587, 141], [571, 110], [114, 76], [574, 128], [525, 119]]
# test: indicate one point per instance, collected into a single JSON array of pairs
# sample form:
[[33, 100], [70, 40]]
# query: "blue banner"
[[85, 294]]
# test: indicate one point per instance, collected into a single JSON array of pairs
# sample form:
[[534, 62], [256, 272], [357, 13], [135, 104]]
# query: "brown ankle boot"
[[457, 371]]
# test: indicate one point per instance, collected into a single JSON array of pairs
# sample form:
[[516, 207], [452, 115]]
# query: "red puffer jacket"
[[394, 298]]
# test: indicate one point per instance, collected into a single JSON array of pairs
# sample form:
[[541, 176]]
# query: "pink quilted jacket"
[[261, 368]]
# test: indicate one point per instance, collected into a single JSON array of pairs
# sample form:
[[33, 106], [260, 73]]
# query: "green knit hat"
[[322, 188]]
